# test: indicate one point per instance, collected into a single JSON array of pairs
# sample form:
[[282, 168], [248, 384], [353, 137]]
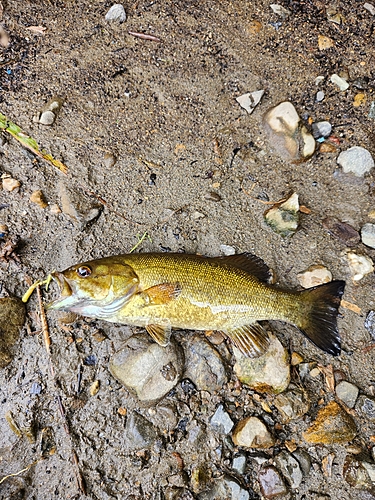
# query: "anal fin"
[[252, 340], [160, 332]]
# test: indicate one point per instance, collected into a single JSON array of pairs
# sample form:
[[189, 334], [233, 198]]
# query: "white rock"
[[319, 79], [356, 160], [252, 433], [370, 8], [347, 392], [116, 13], [319, 96], [250, 100], [359, 265], [314, 276], [227, 250], [340, 82], [47, 117], [280, 10], [368, 235]]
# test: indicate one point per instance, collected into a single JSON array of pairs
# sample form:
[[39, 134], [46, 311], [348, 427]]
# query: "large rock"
[[251, 432], [356, 160], [332, 426], [147, 369]]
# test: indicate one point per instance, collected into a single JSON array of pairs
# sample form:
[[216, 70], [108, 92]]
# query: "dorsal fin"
[[250, 263]]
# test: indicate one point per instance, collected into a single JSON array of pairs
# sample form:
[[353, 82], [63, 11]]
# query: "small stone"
[[94, 388], [164, 416], [116, 13], [12, 318], [356, 160], [252, 433], [371, 113], [304, 460], [250, 100], [47, 117], [290, 469], [287, 135], [10, 184], [283, 218], [221, 421], [269, 373], [139, 432], [227, 250], [4, 230], [359, 99], [321, 129], [280, 10], [370, 8], [109, 160], [368, 235], [342, 231], [359, 265], [370, 323], [37, 197], [366, 406], [239, 463], [50, 111], [55, 209], [296, 358], [327, 147], [340, 82], [331, 426], [226, 487], [347, 392], [36, 389], [324, 42], [319, 79], [359, 474], [271, 483], [204, 366], [292, 404], [212, 196], [313, 276], [146, 368], [320, 95]]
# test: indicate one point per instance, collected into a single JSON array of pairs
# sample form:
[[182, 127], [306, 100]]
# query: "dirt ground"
[[193, 170]]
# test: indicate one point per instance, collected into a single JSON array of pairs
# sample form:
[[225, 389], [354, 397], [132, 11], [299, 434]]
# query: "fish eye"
[[84, 271]]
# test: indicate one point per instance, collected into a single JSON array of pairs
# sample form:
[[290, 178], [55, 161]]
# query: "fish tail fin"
[[318, 321]]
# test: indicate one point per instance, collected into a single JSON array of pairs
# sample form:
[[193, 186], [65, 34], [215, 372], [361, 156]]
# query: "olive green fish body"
[[164, 291]]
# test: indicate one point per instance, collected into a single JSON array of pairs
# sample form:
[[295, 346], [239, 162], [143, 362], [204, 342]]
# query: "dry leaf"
[[328, 375], [37, 29]]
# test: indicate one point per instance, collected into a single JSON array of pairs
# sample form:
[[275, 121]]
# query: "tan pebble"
[[67, 318], [254, 27], [10, 184], [327, 147], [122, 411], [371, 214], [296, 359], [314, 276], [109, 160], [359, 99], [216, 185], [291, 446], [324, 42], [37, 197], [94, 389], [55, 209], [4, 228], [315, 372]]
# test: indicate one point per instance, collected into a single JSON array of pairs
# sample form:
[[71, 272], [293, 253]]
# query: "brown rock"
[[12, 318], [271, 483], [37, 197]]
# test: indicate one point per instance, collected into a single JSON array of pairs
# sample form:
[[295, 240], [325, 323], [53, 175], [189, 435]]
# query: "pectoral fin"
[[252, 340], [163, 293], [160, 332]]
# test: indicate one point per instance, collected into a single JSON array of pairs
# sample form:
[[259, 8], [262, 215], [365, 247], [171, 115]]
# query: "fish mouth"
[[66, 299]]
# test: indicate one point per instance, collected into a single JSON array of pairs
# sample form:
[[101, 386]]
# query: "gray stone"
[[204, 365], [225, 487], [269, 373], [321, 129], [239, 464], [304, 460], [271, 483], [116, 13], [347, 392], [292, 404], [139, 432], [79, 208], [221, 421], [356, 160], [280, 10], [366, 406], [47, 118], [369, 7], [251, 432], [319, 96], [147, 369], [290, 468], [368, 235], [370, 323]]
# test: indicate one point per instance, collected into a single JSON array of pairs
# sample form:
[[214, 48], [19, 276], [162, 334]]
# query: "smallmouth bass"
[[230, 294]]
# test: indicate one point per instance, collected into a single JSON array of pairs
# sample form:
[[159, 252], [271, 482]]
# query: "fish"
[[230, 294]]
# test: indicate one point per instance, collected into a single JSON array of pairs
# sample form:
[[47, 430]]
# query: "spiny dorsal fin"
[[163, 293], [160, 332], [250, 263], [252, 340]]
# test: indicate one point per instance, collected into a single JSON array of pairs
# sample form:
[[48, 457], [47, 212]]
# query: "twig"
[[141, 239], [144, 36]]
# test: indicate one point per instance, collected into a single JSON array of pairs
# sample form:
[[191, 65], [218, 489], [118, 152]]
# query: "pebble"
[[283, 218], [164, 416], [370, 323], [50, 111], [368, 235], [313, 276], [4, 230], [250, 100], [324, 42], [347, 392], [146, 368], [331, 426], [252, 433], [327, 147], [359, 265], [371, 113], [94, 388], [239, 463], [221, 421], [340, 82], [292, 404], [47, 118], [366, 406], [342, 231], [109, 160], [12, 318], [225, 487], [271, 483], [321, 129], [139, 432], [116, 13], [38, 198], [359, 474], [290, 139], [280, 10], [290, 469], [303, 459], [204, 366], [357, 160], [9, 184], [370, 8], [227, 250], [269, 373], [320, 95]]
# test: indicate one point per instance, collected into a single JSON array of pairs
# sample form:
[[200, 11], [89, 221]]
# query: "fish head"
[[98, 288]]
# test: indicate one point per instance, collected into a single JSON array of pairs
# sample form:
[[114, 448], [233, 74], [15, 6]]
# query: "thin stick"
[[144, 36], [142, 238]]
